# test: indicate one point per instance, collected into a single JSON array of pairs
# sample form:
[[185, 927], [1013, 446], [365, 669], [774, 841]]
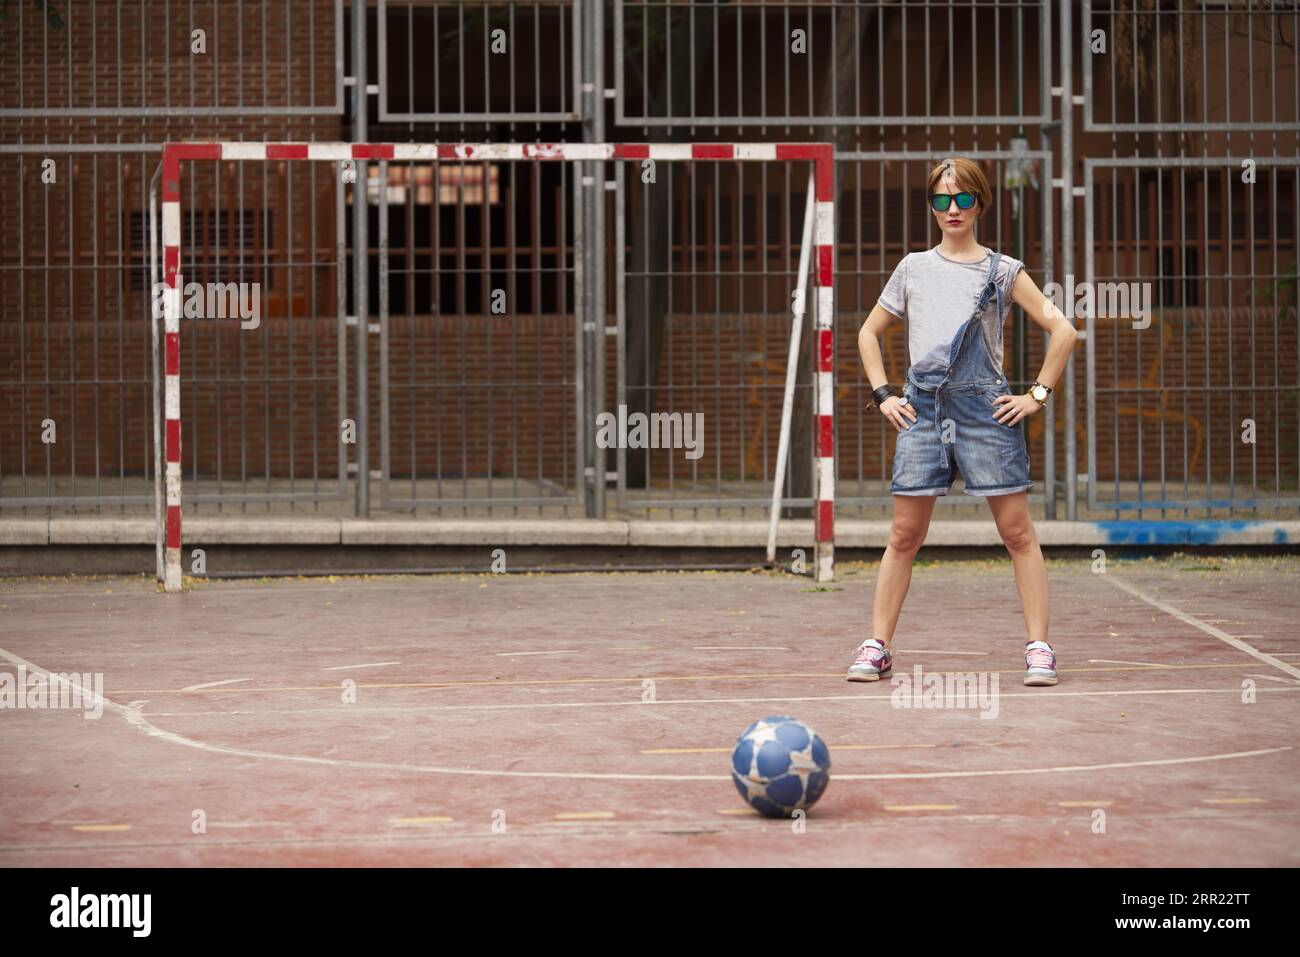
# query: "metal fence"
[[75, 376], [1195, 44], [1192, 401], [477, 295], [709, 63], [713, 248], [489, 372], [454, 62], [267, 383], [683, 292], [171, 58], [1192, 359]]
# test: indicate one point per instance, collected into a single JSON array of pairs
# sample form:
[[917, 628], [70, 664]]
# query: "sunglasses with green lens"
[[940, 202]]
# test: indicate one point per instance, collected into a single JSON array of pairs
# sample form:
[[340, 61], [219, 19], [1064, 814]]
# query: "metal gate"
[[1193, 381], [480, 307], [705, 259]]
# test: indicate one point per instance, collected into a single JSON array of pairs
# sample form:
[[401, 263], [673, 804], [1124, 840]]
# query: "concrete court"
[[517, 701]]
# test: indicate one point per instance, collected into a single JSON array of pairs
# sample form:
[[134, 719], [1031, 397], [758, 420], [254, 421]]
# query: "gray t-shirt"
[[935, 295]]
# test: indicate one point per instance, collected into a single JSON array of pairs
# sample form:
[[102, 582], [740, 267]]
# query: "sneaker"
[[874, 661], [1040, 664]]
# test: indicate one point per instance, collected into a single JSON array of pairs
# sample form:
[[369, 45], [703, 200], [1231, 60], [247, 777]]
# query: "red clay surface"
[[519, 701]]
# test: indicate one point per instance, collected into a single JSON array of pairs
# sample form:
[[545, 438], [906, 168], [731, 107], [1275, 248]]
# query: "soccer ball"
[[780, 765]]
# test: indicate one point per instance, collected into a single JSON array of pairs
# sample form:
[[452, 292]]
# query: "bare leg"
[[911, 522], [1011, 512]]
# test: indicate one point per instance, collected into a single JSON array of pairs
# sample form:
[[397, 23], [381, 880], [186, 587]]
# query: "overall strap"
[[991, 280]]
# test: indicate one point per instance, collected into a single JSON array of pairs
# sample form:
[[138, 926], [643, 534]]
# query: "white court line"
[[512, 654], [132, 715], [213, 684], [375, 664], [1116, 661], [937, 651], [1208, 629], [638, 703], [1270, 678], [235, 825], [740, 648]]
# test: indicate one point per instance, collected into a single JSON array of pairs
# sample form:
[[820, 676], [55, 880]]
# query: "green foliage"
[[45, 6], [479, 22], [1282, 293]]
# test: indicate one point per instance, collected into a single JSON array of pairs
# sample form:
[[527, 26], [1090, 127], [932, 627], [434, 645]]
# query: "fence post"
[[361, 258]]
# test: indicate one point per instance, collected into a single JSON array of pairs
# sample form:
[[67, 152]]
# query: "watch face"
[[1039, 393]]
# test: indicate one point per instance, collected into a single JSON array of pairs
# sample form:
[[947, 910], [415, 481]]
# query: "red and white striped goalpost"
[[821, 155]]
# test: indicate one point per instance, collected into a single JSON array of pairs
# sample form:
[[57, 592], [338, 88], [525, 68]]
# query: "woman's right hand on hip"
[[898, 411]]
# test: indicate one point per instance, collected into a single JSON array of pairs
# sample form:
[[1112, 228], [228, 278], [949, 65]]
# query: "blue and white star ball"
[[780, 766]]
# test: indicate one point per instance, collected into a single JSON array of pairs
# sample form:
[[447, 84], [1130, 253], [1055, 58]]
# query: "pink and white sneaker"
[[1040, 664], [874, 661]]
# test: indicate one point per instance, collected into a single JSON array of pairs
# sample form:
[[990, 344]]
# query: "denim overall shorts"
[[954, 427]]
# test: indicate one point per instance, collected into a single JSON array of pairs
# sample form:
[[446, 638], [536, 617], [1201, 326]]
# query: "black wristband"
[[881, 394]]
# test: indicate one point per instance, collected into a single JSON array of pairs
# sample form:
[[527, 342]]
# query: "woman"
[[956, 412]]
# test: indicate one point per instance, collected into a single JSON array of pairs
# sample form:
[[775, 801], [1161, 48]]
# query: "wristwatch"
[[1040, 392]]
